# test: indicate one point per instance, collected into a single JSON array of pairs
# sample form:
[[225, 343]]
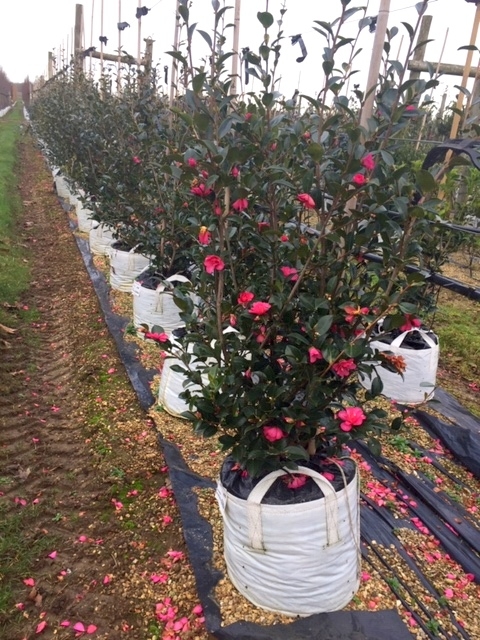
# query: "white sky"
[[31, 28]]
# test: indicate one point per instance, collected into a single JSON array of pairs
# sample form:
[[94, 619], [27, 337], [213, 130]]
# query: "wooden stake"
[[91, 33], [101, 33], [50, 65], [236, 54], [139, 36], [77, 45], [119, 83], [174, 70], [375, 62], [424, 119], [466, 73], [419, 53]]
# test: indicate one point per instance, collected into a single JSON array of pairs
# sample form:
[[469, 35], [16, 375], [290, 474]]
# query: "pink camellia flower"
[[307, 200], [410, 107], [295, 481], [245, 297], [260, 308], [204, 237], [192, 162], [314, 354], [284, 238], [351, 417], [344, 368], [217, 208], [240, 205], [290, 273], [235, 172], [201, 191], [359, 179], [410, 323], [213, 263], [248, 116], [368, 162], [158, 337], [353, 312], [204, 174], [272, 434], [263, 225], [136, 160]]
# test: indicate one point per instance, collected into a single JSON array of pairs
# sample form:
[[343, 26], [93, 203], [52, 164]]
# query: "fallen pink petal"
[[30, 582], [52, 555], [41, 626]]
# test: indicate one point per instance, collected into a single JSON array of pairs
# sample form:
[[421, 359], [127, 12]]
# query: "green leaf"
[[197, 82], [206, 37], [426, 181], [183, 11], [324, 324], [315, 151], [265, 18]]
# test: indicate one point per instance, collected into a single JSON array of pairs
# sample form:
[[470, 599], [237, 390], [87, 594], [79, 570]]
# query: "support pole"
[[236, 55], [101, 44], [419, 53], [466, 73], [50, 65], [375, 62], [77, 45], [119, 82], [174, 70], [139, 36], [91, 33]]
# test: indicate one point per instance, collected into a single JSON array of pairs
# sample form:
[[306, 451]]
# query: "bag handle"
[[254, 500], [175, 278], [399, 339]]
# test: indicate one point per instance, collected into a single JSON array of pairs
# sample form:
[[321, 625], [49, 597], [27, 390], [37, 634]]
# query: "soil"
[[80, 468]]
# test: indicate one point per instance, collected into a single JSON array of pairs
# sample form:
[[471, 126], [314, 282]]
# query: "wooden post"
[[174, 70], [236, 54], [475, 102], [419, 53], [375, 62], [119, 82], [101, 44], [77, 45], [466, 73], [91, 33], [50, 65], [139, 36]]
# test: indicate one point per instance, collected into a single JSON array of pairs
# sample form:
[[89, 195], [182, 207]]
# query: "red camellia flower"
[[290, 273], [217, 208], [272, 434], [192, 162], [307, 200], [204, 237], [262, 225], [359, 179], [351, 417], [158, 337], [410, 323], [201, 191], [213, 263], [245, 298], [283, 238], [411, 107], [235, 172], [240, 205], [248, 116], [344, 368], [314, 354], [136, 160], [368, 162], [260, 308]]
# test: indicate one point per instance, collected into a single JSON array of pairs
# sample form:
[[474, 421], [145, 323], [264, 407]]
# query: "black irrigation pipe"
[[435, 278]]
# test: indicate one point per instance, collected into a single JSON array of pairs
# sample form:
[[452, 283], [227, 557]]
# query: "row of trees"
[[295, 228]]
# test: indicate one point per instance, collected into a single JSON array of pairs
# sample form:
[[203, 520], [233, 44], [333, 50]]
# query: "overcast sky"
[[31, 28]]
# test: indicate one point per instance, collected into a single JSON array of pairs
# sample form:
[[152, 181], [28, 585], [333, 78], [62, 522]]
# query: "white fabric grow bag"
[[125, 266], [62, 187], [157, 306], [84, 220], [420, 375], [296, 559], [100, 239]]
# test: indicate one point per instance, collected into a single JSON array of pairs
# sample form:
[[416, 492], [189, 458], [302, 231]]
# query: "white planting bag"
[[61, 185], [100, 239], [157, 306], [84, 220], [420, 375], [125, 266], [296, 559]]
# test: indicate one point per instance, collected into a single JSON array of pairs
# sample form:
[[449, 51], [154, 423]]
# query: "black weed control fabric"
[[443, 517]]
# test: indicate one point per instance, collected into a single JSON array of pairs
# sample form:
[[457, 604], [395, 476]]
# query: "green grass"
[[19, 551], [458, 327], [13, 270]]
